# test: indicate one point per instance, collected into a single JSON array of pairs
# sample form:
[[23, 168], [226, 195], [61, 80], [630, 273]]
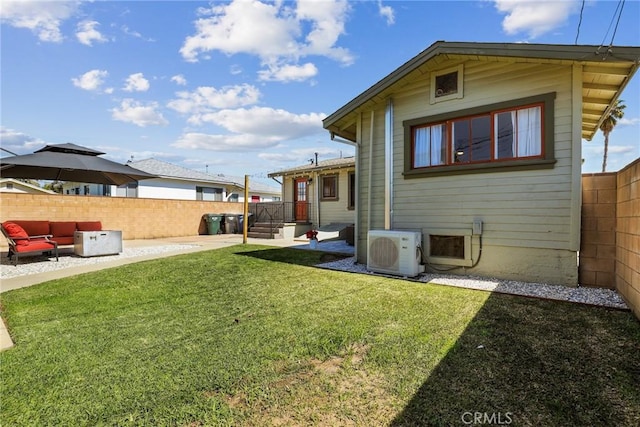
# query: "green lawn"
[[254, 336]]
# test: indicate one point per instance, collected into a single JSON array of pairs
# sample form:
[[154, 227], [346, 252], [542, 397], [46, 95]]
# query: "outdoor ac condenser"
[[395, 252]]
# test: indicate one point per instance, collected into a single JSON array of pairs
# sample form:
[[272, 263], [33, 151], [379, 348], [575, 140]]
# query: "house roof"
[[605, 73], [168, 170], [24, 185], [323, 165]]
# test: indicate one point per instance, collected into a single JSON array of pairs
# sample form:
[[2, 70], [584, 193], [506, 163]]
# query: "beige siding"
[[526, 214], [338, 210]]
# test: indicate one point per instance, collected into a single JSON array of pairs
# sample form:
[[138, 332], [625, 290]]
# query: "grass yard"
[[256, 336]]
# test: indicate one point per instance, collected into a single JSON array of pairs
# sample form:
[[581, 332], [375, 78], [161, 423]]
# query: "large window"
[[511, 134], [502, 135]]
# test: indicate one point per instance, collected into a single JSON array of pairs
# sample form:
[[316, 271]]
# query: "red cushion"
[[34, 228], [89, 226], [62, 228], [63, 240], [35, 245], [16, 232]]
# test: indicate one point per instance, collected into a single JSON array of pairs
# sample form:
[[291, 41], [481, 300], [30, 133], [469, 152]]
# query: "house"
[[176, 182], [478, 147], [322, 192], [11, 185]]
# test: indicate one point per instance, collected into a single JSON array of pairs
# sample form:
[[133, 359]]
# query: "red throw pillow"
[[17, 233]]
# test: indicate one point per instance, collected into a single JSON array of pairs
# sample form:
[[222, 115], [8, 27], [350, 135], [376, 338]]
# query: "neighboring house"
[[10, 185], [176, 182], [486, 134], [322, 192]]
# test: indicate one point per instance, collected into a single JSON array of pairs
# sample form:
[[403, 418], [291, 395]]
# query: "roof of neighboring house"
[[28, 187], [168, 170], [323, 165], [605, 73]]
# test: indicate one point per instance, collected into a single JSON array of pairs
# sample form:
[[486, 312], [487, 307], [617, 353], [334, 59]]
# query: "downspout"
[[370, 172], [388, 166]]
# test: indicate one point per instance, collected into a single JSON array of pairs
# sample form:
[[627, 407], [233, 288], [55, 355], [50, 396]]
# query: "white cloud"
[[273, 32], [288, 72], [91, 80], [206, 99], [136, 83], [87, 33], [252, 129], [267, 122], [135, 112], [300, 155], [18, 142], [43, 18], [534, 17], [179, 80], [387, 12], [238, 143], [629, 121]]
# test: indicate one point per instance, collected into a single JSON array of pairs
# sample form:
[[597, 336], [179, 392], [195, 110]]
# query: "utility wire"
[[615, 30], [579, 22], [610, 25]]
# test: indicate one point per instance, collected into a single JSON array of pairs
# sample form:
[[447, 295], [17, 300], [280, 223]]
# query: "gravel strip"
[[593, 296], [40, 264]]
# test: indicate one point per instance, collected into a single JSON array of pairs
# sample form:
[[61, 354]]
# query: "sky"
[[241, 87]]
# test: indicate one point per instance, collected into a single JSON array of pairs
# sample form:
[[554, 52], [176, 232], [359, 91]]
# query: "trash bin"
[[213, 222], [251, 221], [230, 223]]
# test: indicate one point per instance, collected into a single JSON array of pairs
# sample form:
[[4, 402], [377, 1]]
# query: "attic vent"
[[446, 84]]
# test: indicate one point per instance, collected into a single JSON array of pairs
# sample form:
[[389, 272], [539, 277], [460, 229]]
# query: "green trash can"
[[213, 223]]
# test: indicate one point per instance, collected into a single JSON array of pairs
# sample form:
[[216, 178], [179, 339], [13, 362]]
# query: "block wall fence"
[[610, 240], [137, 218]]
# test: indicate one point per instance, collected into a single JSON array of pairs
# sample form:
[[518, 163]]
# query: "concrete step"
[[259, 235], [264, 230]]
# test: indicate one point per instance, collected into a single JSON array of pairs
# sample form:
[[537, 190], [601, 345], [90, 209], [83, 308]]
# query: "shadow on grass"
[[523, 361], [304, 257]]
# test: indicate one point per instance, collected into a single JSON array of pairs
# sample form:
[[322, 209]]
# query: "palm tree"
[[607, 125]]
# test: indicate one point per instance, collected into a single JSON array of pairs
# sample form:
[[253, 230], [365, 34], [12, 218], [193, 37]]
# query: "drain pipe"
[[370, 173], [388, 167]]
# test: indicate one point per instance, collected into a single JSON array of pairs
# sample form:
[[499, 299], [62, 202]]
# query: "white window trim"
[[458, 95], [467, 234]]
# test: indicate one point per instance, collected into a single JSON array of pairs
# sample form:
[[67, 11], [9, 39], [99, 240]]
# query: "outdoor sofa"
[[30, 236]]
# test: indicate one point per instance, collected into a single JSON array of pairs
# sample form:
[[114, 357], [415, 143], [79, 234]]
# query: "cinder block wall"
[[628, 235], [137, 218], [598, 235]]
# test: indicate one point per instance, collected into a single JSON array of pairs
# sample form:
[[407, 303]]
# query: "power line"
[[610, 24], [579, 22], [617, 22]]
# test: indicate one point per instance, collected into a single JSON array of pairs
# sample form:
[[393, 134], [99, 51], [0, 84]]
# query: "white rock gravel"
[[584, 295], [40, 264]]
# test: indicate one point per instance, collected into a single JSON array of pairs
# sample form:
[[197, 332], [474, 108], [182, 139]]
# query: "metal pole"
[[245, 223]]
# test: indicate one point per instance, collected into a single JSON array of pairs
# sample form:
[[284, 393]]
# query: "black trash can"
[[230, 223], [213, 222], [251, 221]]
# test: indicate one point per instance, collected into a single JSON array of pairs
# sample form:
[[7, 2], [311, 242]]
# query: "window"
[[352, 191], [446, 84], [210, 194], [507, 135], [450, 247], [329, 187]]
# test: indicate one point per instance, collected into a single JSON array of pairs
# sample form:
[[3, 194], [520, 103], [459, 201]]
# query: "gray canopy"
[[69, 162]]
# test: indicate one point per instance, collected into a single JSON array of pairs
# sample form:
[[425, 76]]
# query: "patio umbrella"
[[69, 162]]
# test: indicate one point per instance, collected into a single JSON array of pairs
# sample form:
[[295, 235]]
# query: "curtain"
[[436, 145], [421, 147], [529, 132]]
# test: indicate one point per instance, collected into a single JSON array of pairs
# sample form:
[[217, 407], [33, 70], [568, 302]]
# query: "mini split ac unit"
[[395, 252]]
